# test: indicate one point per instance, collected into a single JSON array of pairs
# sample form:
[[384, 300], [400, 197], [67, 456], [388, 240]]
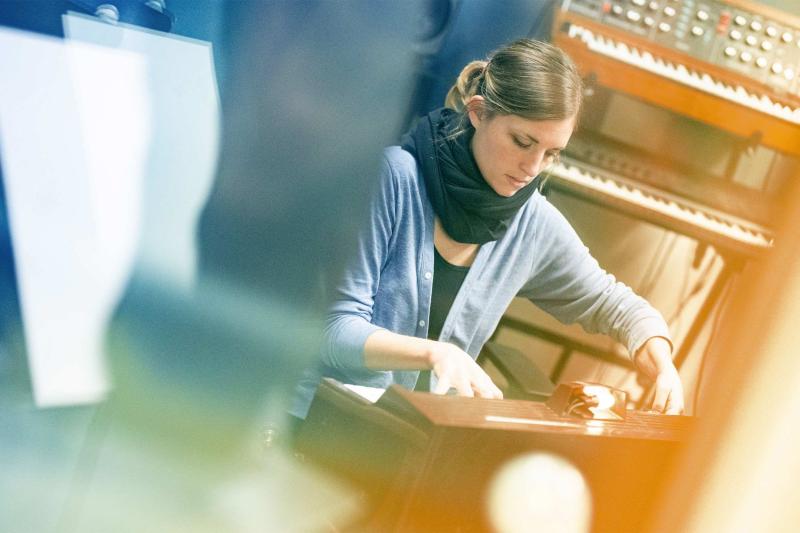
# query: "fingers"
[[469, 386], [668, 397], [674, 410], [461, 384], [660, 399], [674, 404], [455, 369], [487, 389], [442, 385], [464, 388]]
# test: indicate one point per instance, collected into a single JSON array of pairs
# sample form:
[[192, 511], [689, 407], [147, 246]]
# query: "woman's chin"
[[507, 192], [506, 186]]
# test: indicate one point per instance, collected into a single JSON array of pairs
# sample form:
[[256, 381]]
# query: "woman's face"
[[511, 150]]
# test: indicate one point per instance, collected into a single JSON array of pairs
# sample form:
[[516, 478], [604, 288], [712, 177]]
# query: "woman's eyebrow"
[[520, 133], [536, 141]]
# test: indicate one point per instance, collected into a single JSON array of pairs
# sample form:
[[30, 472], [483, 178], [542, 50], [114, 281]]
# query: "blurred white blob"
[[108, 155], [182, 144], [74, 124], [539, 492]]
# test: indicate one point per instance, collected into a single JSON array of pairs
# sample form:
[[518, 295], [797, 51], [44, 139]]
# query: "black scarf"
[[469, 209]]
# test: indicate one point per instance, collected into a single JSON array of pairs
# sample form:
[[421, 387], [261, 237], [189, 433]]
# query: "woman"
[[458, 229]]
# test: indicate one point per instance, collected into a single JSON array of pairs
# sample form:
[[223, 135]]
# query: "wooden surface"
[[425, 462], [429, 411]]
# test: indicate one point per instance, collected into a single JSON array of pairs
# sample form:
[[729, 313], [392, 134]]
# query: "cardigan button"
[[422, 323], [428, 275]]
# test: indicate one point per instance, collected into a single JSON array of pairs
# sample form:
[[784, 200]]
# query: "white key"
[[683, 74], [573, 31], [741, 95]]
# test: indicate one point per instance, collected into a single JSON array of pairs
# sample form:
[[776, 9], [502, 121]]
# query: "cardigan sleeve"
[[349, 321], [568, 283]]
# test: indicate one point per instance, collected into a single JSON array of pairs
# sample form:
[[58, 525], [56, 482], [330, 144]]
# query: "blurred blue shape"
[[313, 91], [470, 30]]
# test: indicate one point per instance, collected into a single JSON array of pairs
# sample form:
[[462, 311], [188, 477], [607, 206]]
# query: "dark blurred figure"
[[313, 90], [460, 31]]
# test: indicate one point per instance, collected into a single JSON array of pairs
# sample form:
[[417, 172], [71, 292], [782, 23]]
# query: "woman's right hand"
[[455, 369]]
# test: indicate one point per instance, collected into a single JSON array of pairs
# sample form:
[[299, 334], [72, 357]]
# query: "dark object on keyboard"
[[526, 380], [588, 400]]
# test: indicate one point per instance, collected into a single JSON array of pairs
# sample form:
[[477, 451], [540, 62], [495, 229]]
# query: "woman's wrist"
[[655, 356], [385, 350], [430, 354]]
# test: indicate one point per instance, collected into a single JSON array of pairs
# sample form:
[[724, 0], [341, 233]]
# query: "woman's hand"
[[454, 368], [654, 359]]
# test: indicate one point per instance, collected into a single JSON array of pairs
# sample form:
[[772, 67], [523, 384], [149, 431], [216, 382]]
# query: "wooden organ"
[[730, 66], [426, 461]]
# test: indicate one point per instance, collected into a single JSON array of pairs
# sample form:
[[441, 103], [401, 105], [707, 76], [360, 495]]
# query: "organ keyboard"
[[729, 64], [687, 217], [733, 64], [682, 74]]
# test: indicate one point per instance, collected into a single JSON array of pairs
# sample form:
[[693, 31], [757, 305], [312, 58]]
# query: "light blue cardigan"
[[387, 285]]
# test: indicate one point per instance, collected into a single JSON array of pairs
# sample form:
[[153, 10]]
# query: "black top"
[[447, 280]]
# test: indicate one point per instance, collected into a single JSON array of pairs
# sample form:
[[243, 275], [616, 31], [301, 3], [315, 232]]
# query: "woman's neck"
[[455, 253]]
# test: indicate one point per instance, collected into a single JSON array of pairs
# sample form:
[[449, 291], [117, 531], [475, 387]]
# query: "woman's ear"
[[475, 110]]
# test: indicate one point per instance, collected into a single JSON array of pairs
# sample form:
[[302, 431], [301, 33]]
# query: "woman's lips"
[[517, 182]]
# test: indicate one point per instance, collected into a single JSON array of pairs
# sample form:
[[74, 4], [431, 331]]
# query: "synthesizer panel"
[[730, 35]]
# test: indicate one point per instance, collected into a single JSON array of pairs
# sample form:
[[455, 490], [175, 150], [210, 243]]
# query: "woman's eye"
[[519, 143]]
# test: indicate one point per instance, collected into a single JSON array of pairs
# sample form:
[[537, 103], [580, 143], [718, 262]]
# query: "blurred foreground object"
[[306, 113], [539, 492], [73, 179], [200, 355], [745, 450]]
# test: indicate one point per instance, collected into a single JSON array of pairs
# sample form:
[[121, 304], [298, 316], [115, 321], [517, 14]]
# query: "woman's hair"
[[531, 79]]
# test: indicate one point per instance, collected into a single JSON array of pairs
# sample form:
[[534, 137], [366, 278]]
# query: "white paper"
[[108, 157], [183, 153], [371, 394], [74, 129]]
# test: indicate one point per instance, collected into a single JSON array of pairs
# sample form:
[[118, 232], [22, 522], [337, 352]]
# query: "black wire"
[[683, 295], [648, 279], [698, 285], [711, 336], [770, 175]]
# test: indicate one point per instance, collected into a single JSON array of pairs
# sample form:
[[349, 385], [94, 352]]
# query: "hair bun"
[[466, 85]]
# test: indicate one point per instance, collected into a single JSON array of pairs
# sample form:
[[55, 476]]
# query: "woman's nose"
[[531, 165]]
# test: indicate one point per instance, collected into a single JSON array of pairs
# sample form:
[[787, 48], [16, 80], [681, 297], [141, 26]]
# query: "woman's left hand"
[[654, 359]]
